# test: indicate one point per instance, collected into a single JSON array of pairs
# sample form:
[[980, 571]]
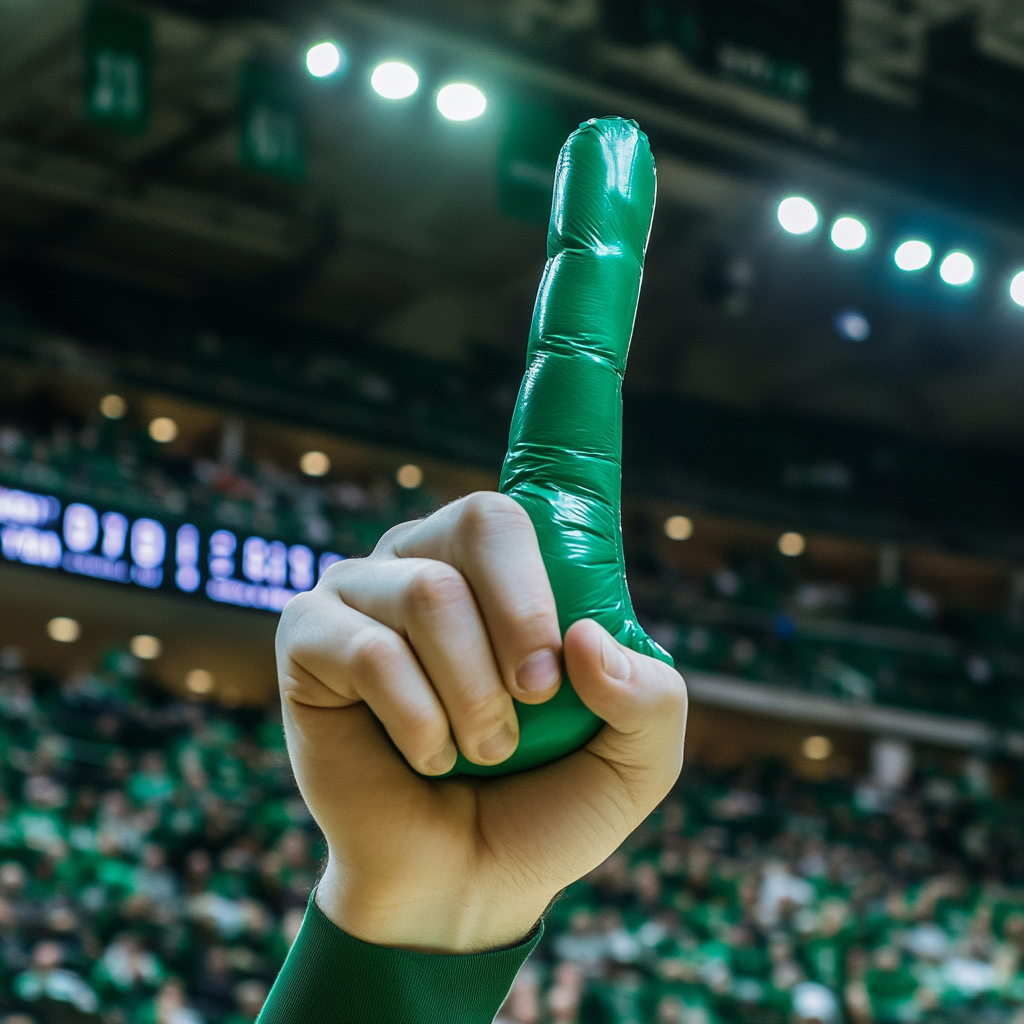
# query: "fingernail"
[[613, 661], [444, 760], [539, 672], [500, 745]]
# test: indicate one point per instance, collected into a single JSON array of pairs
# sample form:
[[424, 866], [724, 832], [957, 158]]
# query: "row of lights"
[[396, 80], [65, 630], [163, 430], [799, 216], [790, 544]]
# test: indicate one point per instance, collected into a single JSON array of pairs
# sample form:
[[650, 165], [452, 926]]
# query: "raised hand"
[[454, 624]]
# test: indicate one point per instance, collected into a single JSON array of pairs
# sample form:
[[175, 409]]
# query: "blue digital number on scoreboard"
[[256, 573]]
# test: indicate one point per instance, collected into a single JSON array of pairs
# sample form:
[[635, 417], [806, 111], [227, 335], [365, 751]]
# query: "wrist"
[[426, 922]]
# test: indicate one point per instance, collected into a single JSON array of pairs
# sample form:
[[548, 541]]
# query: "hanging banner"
[[118, 66], [270, 121]]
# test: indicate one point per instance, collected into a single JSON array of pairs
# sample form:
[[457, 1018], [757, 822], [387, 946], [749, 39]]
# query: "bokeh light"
[[199, 681], [852, 325], [324, 59], [792, 544], [315, 464], [163, 429], [817, 748], [913, 255], [409, 476], [679, 527], [1017, 288], [394, 80], [798, 215], [145, 646], [63, 630], [957, 269], [113, 407], [849, 233], [460, 101]]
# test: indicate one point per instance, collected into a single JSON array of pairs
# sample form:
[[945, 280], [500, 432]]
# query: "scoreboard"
[[219, 564]]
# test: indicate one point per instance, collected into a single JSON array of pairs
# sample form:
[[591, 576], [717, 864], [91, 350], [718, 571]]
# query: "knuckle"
[[674, 697], [535, 624], [333, 574], [485, 513], [481, 713], [435, 587], [389, 539], [375, 654], [290, 631], [424, 731]]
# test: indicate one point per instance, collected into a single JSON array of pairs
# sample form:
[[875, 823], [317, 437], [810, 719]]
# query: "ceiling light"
[[1017, 288], [957, 268], [113, 407], [852, 325], [145, 646], [63, 629], [849, 233], [817, 748], [679, 527], [315, 464], [409, 476], [798, 215], [163, 429], [913, 255], [461, 101], [199, 681], [324, 59], [394, 80], [792, 544]]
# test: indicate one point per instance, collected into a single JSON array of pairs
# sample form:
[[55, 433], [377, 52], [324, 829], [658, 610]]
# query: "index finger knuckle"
[[486, 513]]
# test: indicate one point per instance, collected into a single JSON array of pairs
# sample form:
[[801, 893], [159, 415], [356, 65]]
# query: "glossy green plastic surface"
[[564, 462]]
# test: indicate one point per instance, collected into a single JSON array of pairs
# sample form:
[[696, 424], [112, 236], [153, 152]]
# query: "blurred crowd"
[[155, 857], [156, 860], [752, 897]]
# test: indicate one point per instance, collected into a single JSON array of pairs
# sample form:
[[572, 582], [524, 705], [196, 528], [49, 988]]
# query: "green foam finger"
[[564, 462]]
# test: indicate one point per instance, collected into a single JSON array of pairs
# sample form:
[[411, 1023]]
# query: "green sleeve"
[[330, 977]]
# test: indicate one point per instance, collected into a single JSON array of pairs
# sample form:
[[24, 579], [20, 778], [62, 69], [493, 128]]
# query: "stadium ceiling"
[[395, 234]]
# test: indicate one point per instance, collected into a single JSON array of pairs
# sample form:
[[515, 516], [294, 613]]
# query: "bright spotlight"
[[849, 233], [460, 101], [394, 80], [913, 255], [324, 59], [852, 325], [957, 268], [1017, 288], [798, 215]]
